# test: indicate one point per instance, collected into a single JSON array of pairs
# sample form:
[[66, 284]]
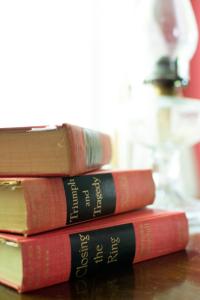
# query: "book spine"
[[157, 237], [52, 259], [81, 198], [90, 149], [98, 194], [133, 189]]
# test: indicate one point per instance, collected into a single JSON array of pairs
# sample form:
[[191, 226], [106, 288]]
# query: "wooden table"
[[175, 276]]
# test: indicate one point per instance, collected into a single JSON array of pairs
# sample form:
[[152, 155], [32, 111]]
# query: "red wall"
[[193, 90]]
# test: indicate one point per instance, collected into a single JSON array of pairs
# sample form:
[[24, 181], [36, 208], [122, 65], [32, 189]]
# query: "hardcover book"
[[61, 150], [32, 205], [28, 263]]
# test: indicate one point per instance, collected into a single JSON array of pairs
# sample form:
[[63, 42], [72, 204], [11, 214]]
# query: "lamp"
[[168, 33], [167, 37]]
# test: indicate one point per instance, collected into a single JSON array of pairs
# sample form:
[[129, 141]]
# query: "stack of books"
[[62, 216]]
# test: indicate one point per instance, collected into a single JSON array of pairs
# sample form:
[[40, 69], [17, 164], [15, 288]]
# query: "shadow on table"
[[143, 280]]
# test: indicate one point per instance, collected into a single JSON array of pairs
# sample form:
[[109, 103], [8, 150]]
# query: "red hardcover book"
[[47, 151], [28, 263], [33, 205]]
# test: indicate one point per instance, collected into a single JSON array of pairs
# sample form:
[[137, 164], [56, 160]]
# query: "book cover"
[[71, 200], [85, 249], [63, 150]]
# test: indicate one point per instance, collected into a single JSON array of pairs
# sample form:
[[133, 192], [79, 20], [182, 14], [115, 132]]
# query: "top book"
[[63, 150]]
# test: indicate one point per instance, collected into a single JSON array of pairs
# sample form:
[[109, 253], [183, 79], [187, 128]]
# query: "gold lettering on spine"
[[99, 254], [38, 258], [82, 269], [74, 214], [99, 196], [47, 264], [124, 186], [96, 251], [87, 198], [114, 252], [145, 239], [30, 265]]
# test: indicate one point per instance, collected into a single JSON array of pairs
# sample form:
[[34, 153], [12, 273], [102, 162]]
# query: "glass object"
[[167, 38], [166, 122]]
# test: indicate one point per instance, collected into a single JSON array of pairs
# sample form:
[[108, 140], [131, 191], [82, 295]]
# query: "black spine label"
[[89, 196], [102, 249]]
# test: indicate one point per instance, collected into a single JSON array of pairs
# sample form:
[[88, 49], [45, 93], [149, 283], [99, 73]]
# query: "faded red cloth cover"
[[79, 149], [193, 89], [47, 258], [47, 204], [88, 150]]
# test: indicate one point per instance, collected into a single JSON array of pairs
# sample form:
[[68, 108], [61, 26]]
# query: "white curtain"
[[65, 61], [46, 57], [114, 42]]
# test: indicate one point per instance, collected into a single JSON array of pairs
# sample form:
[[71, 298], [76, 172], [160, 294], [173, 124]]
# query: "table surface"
[[174, 276]]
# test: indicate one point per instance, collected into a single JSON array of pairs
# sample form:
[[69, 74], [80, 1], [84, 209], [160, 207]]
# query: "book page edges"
[[13, 214], [30, 153], [40, 253], [11, 265]]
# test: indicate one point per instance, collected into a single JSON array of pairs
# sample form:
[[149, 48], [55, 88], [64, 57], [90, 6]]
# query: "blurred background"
[[78, 62], [59, 59]]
